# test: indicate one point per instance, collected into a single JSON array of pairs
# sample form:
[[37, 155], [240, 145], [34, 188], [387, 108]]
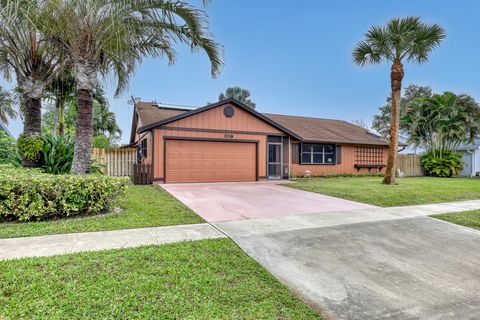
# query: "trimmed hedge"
[[30, 195]]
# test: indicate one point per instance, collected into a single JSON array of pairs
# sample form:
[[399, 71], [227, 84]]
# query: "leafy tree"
[[442, 122], [101, 141], [381, 121], [401, 39], [111, 37], [7, 149], [360, 123], [6, 106], [31, 57], [239, 94]]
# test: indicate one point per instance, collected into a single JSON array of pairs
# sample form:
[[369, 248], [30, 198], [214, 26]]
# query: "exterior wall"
[[347, 164], [212, 124], [148, 158]]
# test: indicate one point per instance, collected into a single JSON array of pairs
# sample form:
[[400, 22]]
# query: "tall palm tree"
[[61, 90], [105, 37], [6, 106], [402, 39], [32, 59]]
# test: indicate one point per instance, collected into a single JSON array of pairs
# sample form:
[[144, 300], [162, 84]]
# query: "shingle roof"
[[327, 130], [150, 113], [309, 129]]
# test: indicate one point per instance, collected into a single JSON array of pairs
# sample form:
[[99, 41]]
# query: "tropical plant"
[[57, 154], [7, 111], [111, 37], [62, 91], [101, 141], [441, 123], [448, 165], [239, 94], [31, 57], [402, 39], [381, 121]]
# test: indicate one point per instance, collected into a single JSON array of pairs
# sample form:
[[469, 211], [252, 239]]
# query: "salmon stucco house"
[[227, 141]]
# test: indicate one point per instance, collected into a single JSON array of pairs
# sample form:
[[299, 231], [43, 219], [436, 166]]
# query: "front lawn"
[[208, 279], [468, 219], [408, 191], [143, 206]]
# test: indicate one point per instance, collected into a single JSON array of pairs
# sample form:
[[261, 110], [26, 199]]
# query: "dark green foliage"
[[239, 94], [29, 147], [448, 165], [31, 195], [57, 154]]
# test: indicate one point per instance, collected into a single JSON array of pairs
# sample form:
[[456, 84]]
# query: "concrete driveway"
[[248, 200], [371, 264]]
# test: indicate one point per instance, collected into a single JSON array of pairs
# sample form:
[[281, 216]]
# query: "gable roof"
[[302, 128], [327, 130], [164, 120]]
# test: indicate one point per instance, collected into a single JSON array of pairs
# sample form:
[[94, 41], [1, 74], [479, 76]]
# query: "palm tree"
[[34, 61], [61, 90], [111, 37], [6, 106], [401, 39]]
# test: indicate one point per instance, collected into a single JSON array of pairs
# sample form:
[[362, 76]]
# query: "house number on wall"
[[228, 135]]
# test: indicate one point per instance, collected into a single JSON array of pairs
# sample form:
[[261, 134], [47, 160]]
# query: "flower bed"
[[30, 195]]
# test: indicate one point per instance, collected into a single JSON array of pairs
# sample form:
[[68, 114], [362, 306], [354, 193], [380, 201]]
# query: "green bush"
[[101, 141], [29, 147], [57, 154], [7, 149], [447, 166], [31, 195]]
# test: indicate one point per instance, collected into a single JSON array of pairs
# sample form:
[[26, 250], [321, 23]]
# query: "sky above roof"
[[295, 58]]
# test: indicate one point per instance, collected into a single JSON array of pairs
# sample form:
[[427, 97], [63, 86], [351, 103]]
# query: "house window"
[[318, 153], [142, 149]]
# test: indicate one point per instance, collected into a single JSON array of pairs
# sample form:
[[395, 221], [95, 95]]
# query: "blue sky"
[[295, 58]]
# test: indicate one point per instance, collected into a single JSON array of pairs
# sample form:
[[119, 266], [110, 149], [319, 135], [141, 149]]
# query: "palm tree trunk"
[[84, 132], [61, 117], [56, 116], [396, 76], [32, 124]]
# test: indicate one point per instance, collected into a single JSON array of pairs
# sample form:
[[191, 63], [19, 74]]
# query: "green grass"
[[143, 206], [208, 279], [407, 191], [468, 219]]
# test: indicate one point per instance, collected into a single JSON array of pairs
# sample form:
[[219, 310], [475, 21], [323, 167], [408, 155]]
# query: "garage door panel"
[[208, 161]]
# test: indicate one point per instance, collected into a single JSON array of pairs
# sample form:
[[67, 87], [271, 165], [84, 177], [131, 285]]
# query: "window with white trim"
[[317, 153]]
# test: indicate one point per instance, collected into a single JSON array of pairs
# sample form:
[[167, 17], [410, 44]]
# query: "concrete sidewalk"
[[94, 241]]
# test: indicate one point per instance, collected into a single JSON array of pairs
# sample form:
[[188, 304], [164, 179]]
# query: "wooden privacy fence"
[[410, 165], [142, 174], [118, 162]]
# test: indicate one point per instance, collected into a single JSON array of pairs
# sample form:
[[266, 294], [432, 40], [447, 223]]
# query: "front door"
[[274, 165]]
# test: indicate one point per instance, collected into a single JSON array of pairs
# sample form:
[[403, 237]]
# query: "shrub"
[[447, 166], [29, 147], [101, 141], [57, 154], [31, 195], [7, 149]]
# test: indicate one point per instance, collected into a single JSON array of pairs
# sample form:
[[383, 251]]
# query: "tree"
[[239, 94], [360, 123], [6, 106], [111, 37], [402, 39], [381, 121], [30, 56], [442, 122]]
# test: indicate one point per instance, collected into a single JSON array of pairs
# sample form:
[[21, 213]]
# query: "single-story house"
[[227, 141], [470, 159]]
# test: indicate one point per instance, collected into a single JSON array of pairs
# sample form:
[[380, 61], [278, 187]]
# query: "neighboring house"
[[227, 141], [4, 129], [470, 159]]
